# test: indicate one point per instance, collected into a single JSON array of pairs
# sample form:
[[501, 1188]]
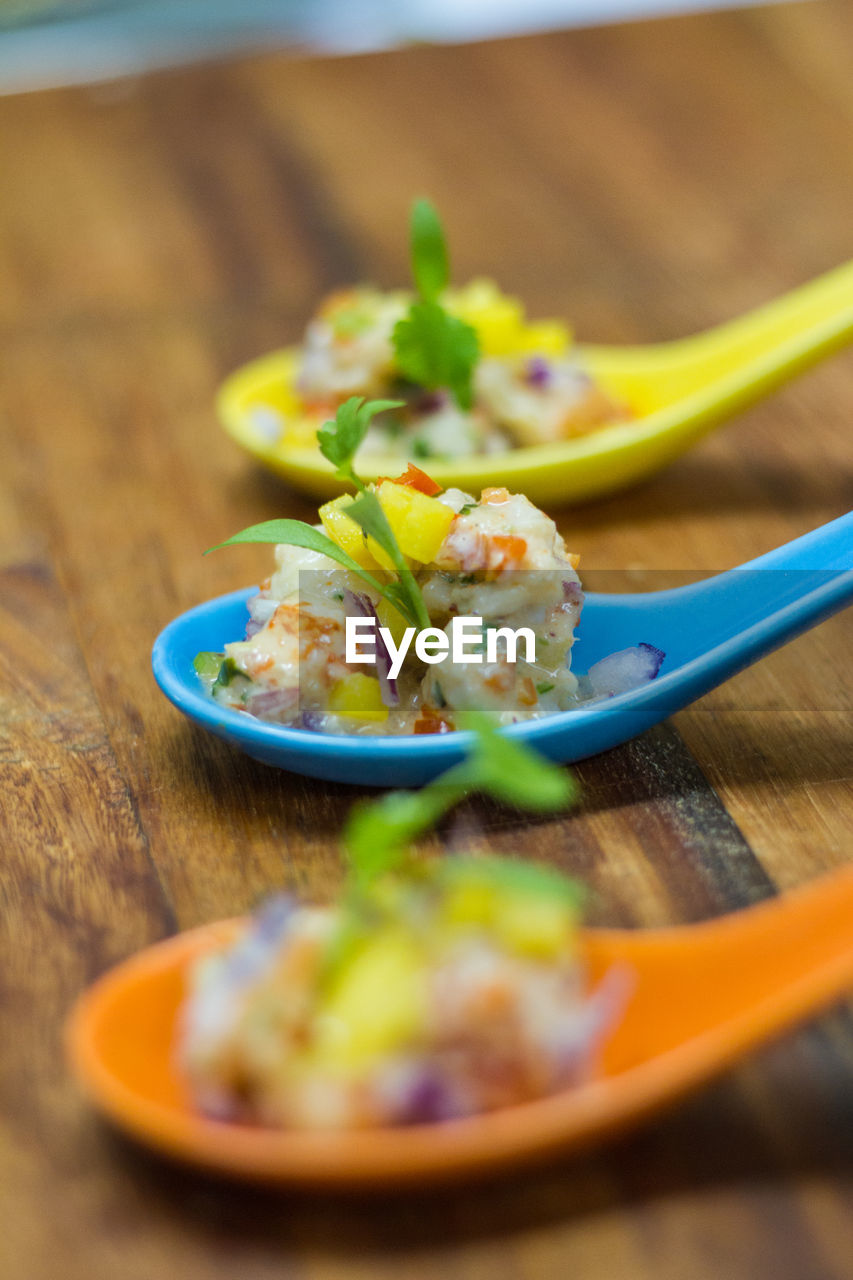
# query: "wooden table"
[[646, 180]]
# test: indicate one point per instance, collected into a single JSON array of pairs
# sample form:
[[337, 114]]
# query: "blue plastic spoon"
[[709, 631]]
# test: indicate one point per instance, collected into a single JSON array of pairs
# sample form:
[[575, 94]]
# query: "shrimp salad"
[[530, 385], [463, 370], [442, 992], [498, 559]]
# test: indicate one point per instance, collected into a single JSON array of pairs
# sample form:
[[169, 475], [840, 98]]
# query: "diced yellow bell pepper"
[[469, 903], [381, 557], [534, 925], [392, 619], [496, 318], [350, 537], [358, 696], [345, 532], [419, 523], [500, 323], [544, 338], [378, 1002]]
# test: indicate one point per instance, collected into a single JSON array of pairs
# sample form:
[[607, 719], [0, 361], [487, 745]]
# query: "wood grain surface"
[[645, 180]]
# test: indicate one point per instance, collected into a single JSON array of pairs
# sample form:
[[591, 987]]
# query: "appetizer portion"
[[408, 605], [459, 603], [429, 991], [472, 374]]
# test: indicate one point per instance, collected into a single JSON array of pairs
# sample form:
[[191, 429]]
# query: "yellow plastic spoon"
[[679, 390]]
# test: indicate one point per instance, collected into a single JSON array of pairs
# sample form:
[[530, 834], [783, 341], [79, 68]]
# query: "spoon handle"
[[789, 332], [828, 548], [731, 366], [812, 575], [769, 600], [715, 628], [753, 610], [747, 975]]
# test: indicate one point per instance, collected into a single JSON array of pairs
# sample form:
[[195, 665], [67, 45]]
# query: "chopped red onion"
[[273, 704], [431, 401], [220, 1105], [261, 608], [312, 720], [579, 1039], [252, 955], [418, 1092], [572, 592], [656, 656], [272, 917], [361, 604], [628, 669], [537, 372], [429, 1099]]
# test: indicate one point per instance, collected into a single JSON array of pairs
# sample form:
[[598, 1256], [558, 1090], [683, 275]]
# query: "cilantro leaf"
[[511, 772], [433, 348], [340, 438], [296, 533], [378, 833], [430, 266], [377, 836], [436, 349]]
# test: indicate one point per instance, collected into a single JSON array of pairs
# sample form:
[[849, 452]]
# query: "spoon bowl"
[[679, 391], [703, 995], [709, 631]]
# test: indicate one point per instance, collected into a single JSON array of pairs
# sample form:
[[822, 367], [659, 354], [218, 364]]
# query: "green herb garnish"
[[432, 347], [430, 262], [339, 440], [228, 672], [378, 835], [544, 687], [367, 512], [437, 350], [296, 533], [207, 664]]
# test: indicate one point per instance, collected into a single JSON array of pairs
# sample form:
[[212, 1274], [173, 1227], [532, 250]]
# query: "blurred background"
[[54, 42]]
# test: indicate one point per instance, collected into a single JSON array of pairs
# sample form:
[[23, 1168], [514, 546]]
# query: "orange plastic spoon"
[[703, 995]]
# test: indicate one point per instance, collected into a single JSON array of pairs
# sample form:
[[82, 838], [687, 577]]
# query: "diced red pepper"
[[430, 722], [320, 408], [511, 549], [414, 478]]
